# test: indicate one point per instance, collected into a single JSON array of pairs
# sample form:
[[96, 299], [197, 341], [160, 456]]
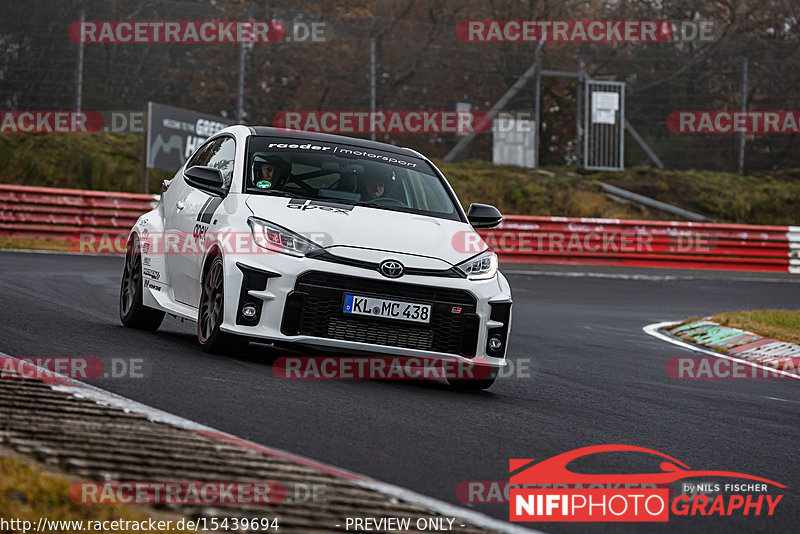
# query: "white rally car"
[[324, 241]]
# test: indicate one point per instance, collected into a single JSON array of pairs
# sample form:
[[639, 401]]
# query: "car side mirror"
[[206, 179], [484, 216]]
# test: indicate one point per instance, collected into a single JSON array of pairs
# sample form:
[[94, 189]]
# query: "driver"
[[270, 172], [375, 185]]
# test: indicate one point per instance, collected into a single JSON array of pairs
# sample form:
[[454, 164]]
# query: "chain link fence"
[[420, 64]]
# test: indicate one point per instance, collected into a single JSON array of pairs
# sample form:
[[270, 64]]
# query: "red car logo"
[[554, 470]]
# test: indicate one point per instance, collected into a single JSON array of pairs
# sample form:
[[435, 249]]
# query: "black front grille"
[[314, 308]]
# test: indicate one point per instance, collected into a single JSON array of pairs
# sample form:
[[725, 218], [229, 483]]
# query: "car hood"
[[349, 231]]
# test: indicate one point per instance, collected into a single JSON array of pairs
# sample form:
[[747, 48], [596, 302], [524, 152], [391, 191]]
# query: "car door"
[[192, 218]]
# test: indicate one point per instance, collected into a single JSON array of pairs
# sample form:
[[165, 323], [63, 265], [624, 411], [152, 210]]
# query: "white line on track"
[[778, 399], [653, 330]]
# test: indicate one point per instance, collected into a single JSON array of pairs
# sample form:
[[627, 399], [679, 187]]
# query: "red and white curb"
[[748, 356], [87, 391]]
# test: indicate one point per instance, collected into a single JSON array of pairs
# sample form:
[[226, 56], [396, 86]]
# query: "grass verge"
[[771, 198], [520, 191], [112, 162], [28, 493], [105, 162], [33, 244], [783, 325]]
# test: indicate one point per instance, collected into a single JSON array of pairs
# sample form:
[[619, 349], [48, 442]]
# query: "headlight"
[[481, 267], [278, 239]]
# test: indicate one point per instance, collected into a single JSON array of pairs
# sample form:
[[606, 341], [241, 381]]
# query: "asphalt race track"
[[596, 378]]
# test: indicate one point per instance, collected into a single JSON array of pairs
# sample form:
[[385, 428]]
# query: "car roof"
[[330, 138]]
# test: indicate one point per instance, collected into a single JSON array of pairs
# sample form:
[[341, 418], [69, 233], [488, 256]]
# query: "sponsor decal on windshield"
[[346, 152]]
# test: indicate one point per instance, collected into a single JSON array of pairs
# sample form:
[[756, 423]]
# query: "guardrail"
[[634, 243], [41, 212], [44, 212]]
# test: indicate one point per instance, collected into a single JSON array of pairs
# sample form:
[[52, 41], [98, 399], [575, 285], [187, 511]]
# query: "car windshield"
[[346, 174]]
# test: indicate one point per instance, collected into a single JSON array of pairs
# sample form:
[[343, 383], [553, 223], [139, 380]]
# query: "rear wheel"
[[487, 375], [132, 312], [211, 312]]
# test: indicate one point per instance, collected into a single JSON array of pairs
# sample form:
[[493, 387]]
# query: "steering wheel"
[[387, 201]]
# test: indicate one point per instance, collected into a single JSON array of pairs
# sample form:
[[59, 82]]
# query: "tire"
[[475, 384], [211, 311], [132, 312]]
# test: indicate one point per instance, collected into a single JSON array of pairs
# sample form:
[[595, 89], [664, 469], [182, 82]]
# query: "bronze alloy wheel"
[[132, 312], [210, 315], [131, 281]]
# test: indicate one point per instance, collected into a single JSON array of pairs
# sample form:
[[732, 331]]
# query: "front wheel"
[[132, 312], [211, 311], [487, 375]]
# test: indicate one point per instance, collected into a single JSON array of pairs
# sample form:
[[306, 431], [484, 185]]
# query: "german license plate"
[[389, 309]]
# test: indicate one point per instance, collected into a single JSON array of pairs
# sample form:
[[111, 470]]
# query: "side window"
[[219, 154], [200, 157]]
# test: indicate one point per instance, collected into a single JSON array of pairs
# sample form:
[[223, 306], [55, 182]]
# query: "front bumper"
[[299, 300]]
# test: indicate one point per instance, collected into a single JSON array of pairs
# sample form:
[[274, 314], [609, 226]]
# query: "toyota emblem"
[[391, 269]]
